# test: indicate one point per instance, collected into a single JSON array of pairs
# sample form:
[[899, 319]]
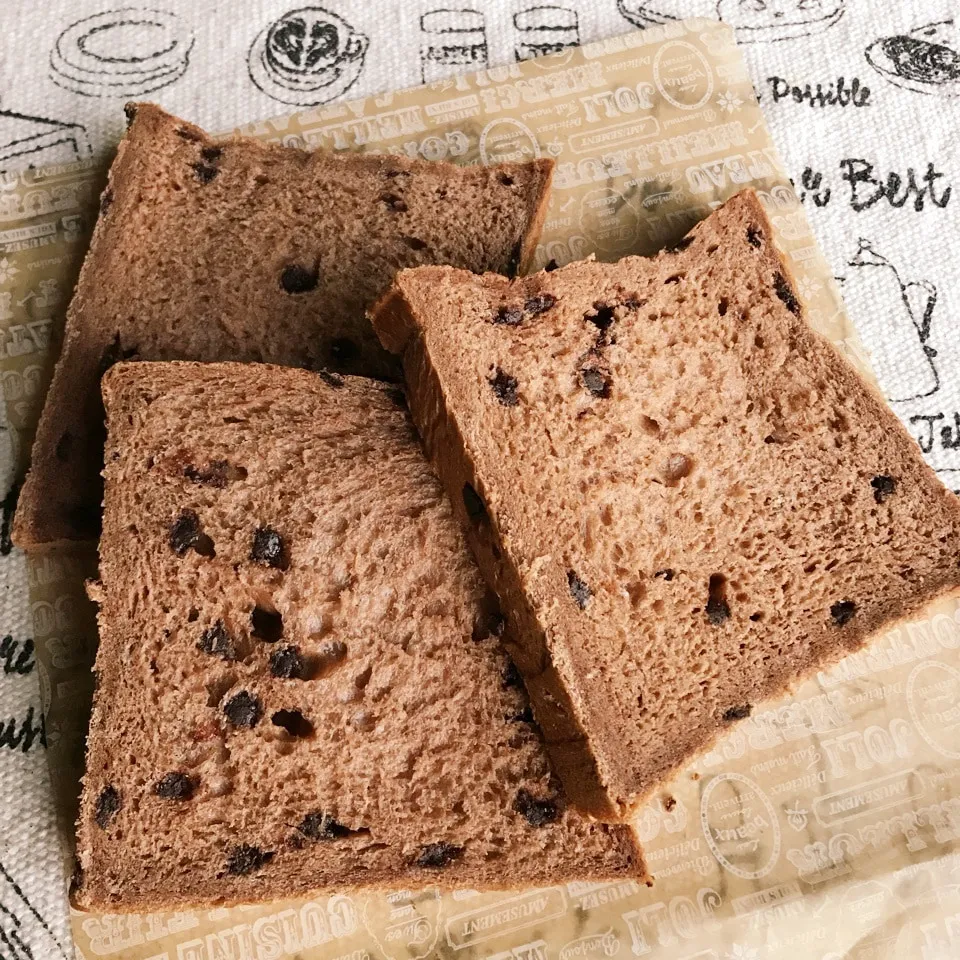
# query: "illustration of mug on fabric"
[[898, 329], [756, 21]]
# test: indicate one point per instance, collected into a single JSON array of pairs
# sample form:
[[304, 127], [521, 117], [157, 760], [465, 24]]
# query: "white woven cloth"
[[862, 96]]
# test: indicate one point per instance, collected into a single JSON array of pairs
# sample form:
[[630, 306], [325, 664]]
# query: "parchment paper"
[[824, 826]]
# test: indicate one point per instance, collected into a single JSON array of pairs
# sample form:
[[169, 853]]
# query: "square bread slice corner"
[[235, 249], [685, 498], [301, 682]]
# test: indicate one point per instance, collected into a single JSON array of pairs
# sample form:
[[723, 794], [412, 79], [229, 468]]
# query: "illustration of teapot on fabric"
[[898, 329]]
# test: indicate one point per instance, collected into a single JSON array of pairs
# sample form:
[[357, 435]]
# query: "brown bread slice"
[[241, 250], [685, 498], [301, 685]]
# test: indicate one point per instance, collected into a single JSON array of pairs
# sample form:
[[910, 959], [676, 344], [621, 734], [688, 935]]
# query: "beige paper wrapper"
[[825, 826]]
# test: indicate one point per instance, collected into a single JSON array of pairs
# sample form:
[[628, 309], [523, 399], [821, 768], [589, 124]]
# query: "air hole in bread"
[[756, 617], [717, 609], [758, 342], [675, 278], [722, 306], [650, 426], [505, 179], [266, 624], [294, 722], [415, 243]]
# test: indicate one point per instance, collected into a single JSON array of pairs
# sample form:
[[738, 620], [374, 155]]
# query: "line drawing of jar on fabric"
[[898, 329]]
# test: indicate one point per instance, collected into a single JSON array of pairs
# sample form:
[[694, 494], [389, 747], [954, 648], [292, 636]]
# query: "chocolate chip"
[[266, 625], [538, 813], [508, 316], [205, 173], [682, 244], [186, 532], [217, 473], [595, 381], [246, 859], [296, 278], [343, 350], [786, 294], [754, 237], [174, 786], [580, 592], [883, 487], [106, 198], [433, 856], [737, 713], [321, 826], [331, 379], [394, 202], [665, 574], [717, 611], [243, 709], [473, 503], [511, 675], [551, 266], [602, 317], [211, 154], [513, 264], [108, 803], [288, 663], [504, 388], [188, 135], [542, 302], [64, 446], [505, 179], [843, 612], [669, 803], [130, 111], [217, 642], [268, 549]]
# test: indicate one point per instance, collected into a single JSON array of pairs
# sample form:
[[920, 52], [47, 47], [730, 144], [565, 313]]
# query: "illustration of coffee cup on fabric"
[[925, 60], [307, 57], [755, 21]]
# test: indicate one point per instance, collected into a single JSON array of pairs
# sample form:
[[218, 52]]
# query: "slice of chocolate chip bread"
[[301, 684], [685, 498], [241, 250]]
